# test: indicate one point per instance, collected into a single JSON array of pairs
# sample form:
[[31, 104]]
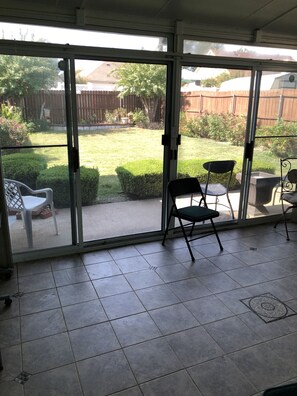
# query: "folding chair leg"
[[164, 236], [192, 229], [186, 239], [166, 230], [216, 234]]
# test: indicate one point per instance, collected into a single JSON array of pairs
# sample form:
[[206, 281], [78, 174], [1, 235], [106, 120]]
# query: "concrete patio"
[[110, 220]]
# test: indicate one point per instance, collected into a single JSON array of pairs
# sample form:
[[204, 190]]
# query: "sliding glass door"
[[213, 124], [35, 152], [120, 124], [275, 138]]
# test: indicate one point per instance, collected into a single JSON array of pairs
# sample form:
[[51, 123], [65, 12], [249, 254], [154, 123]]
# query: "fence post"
[[233, 109], [201, 104], [280, 106]]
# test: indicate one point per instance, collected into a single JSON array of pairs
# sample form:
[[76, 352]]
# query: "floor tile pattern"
[[145, 320], [268, 307]]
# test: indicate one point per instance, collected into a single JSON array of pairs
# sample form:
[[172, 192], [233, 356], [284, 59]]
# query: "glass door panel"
[[34, 151], [276, 137], [120, 129], [213, 120]]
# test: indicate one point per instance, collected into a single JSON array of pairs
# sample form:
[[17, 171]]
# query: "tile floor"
[[144, 320]]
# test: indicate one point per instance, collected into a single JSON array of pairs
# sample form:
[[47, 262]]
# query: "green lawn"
[[107, 149]]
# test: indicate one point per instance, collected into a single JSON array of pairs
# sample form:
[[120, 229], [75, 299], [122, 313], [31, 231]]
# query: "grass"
[[107, 149]]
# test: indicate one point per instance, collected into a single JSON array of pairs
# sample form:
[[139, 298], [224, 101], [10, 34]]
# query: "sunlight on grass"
[[106, 149]]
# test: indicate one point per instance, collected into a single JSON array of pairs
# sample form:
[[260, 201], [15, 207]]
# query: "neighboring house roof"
[[99, 72], [268, 81]]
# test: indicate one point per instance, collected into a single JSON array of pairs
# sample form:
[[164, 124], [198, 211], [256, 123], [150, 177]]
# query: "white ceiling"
[[217, 19]]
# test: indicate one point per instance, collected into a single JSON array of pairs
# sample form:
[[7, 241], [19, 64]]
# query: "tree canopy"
[[23, 75], [148, 81]]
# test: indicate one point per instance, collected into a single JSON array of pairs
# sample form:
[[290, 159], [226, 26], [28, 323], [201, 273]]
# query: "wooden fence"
[[273, 104], [93, 105]]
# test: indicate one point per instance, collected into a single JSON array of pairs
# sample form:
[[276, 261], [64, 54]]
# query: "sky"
[[11, 31]]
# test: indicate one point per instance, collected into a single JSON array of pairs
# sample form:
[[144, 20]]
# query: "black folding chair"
[[191, 214]]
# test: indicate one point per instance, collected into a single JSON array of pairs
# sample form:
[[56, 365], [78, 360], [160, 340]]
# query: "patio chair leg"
[[231, 209], [54, 217], [285, 222], [28, 226]]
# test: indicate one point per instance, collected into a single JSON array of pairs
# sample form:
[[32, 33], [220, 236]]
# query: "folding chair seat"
[[189, 215]]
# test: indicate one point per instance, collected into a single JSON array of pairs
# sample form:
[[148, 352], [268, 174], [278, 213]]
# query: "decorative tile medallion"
[[268, 307], [22, 378], [18, 294]]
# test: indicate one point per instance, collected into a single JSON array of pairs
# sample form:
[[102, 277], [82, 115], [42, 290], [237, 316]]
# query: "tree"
[[216, 81], [23, 75], [144, 80], [200, 47]]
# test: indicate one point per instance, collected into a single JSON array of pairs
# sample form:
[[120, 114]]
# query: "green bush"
[[38, 126], [23, 167], [13, 133], [11, 112], [140, 118], [115, 115], [219, 127], [144, 178], [141, 179], [283, 146], [57, 178], [236, 131]]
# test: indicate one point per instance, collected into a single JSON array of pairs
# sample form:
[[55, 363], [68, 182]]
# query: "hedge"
[[144, 178], [57, 178], [23, 167]]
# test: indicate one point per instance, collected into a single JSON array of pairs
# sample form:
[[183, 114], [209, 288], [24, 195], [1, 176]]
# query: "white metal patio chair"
[[26, 204]]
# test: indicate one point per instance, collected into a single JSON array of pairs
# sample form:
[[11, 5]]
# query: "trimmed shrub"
[[23, 167], [144, 178], [141, 179], [57, 178]]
